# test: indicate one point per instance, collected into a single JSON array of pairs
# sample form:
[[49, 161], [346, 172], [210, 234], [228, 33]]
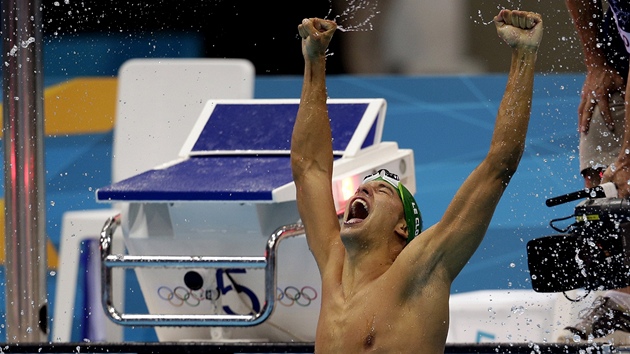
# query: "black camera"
[[592, 253]]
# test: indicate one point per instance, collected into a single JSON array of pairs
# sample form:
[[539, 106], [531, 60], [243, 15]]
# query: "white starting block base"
[[512, 316], [222, 291], [501, 316]]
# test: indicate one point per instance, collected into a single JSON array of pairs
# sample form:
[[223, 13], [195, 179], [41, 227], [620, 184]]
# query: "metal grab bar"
[[268, 262]]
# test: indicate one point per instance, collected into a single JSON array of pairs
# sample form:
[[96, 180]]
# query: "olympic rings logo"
[[181, 295], [292, 295], [226, 283]]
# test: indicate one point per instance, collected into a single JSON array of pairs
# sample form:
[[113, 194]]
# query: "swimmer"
[[382, 289]]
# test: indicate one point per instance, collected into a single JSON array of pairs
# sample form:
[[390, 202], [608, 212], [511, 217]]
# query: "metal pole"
[[23, 132]]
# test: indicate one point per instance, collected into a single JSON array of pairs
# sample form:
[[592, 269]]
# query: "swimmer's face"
[[375, 206]]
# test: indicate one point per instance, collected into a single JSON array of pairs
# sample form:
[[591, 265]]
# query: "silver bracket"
[[268, 262]]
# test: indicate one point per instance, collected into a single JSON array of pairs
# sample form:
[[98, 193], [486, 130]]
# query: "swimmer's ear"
[[401, 229]]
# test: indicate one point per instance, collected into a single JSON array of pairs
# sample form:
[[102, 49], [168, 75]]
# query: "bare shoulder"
[[331, 267], [420, 264], [422, 250]]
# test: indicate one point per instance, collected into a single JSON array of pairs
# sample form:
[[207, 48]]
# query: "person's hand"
[[316, 35], [519, 29], [600, 83], [619, 174]]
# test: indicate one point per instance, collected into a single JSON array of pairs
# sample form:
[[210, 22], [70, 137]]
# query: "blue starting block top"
[[239, 150]]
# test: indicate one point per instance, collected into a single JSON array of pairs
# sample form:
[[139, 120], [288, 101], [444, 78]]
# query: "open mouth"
[[358, 211]]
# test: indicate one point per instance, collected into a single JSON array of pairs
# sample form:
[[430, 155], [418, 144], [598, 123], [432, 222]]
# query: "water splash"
[[481, 20], [357, 15]]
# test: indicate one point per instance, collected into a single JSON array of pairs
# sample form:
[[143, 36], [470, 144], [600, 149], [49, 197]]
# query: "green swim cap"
[[413, 217], [412, 212]]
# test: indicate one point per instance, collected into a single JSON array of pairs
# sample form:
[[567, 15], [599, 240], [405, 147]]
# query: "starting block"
[[202, 231]]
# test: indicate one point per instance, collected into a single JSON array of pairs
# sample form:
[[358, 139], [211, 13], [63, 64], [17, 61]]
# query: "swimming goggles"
[[385, 175]]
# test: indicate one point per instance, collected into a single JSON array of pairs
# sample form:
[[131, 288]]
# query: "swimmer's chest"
[[365, 321], [379, 320]]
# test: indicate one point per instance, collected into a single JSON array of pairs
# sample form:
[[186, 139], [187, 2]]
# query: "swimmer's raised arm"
[[311, 145], [451, 242]]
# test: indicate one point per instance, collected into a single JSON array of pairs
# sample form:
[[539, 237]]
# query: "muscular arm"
[[601, 79], [587, 18], [449, 244], [311, 145]]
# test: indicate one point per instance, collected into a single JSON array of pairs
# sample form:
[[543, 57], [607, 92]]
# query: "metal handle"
[[268, 262]]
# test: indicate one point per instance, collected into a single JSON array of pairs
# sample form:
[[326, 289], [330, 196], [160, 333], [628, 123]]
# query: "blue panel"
[[222, 178], [269, 126], [344, 119], [369, 139]]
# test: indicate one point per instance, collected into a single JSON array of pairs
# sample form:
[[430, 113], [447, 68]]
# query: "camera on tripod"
[[592, 253]]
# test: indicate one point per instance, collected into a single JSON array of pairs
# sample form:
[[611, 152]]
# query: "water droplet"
[[357, 16], [518, 310], [27, 42], [13, 51]]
